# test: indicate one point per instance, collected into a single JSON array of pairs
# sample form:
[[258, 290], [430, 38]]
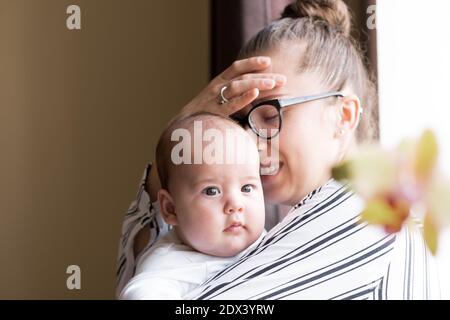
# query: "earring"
[[340, 133]]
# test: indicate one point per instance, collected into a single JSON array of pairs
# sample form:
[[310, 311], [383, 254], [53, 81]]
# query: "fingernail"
[[280, 79], [264, 60], [269, 83], [251, 93]]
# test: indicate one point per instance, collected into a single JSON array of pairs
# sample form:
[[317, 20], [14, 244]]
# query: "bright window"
[[414, 82]]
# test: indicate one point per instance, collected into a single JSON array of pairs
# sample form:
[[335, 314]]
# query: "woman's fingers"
[[279, 78], [244, 80], [245, 89], [239, 102], [237, 87], [241, 67]]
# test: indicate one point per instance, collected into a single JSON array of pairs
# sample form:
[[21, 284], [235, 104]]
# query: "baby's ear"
[[167, 207]]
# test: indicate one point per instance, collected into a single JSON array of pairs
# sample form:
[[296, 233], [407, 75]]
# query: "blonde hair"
[[322, 28]]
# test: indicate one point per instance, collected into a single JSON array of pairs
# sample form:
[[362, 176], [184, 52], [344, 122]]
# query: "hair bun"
[[333, 12]]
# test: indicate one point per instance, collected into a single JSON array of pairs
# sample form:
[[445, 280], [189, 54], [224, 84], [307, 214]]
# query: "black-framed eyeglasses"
[[265, 118]]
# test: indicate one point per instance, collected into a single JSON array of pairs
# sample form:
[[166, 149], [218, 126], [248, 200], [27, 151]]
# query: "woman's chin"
[[270, 179]]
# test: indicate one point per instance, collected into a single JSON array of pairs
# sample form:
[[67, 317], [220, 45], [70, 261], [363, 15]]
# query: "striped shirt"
[[320, 250]]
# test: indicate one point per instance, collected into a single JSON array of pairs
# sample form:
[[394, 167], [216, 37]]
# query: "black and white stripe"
[[142, 213], [279, 232], [321, 250], [297, 247]]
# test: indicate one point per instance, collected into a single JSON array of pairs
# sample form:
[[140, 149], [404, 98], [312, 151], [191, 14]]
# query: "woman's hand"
[[244, 80]]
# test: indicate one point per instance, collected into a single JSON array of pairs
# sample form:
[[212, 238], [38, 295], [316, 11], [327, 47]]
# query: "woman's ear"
[[350, 113], [167, 207]]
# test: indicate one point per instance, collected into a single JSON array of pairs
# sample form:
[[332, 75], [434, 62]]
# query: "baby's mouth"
[[234, 227]]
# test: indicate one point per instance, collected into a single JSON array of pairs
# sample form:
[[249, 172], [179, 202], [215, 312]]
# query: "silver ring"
[[223, 100]]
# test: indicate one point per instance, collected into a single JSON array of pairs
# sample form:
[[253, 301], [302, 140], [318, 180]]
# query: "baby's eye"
[[211, 191], [247, 188]]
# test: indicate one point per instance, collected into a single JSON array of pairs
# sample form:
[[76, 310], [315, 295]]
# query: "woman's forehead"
[[297, 84], [288, 57]]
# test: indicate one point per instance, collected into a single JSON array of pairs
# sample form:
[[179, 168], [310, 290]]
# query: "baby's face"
[[220, 207]]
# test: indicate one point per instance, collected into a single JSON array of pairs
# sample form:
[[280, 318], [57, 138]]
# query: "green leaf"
[[373, 171], [379, 212], [438, 200], [341, 171], [427, 154], [430, 234]]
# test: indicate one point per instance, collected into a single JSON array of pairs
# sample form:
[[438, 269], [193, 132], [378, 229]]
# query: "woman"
[[311, 94]]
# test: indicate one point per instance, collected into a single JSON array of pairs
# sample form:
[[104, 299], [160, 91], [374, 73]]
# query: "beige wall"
[[79, 117]]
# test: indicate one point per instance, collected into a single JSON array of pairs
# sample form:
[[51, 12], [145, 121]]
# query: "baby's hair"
[[165, 144]]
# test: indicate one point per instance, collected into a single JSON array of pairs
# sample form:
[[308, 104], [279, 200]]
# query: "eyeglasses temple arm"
[[291, 101]]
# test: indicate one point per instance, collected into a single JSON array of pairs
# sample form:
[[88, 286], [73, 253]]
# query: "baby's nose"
[[234, 206]]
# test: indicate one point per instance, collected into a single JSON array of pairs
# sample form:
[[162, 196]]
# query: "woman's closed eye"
[[270, 117], [270, 114], [211, 191], [271, 122]]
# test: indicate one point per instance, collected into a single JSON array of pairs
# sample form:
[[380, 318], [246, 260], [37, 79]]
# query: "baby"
[[214, 202]]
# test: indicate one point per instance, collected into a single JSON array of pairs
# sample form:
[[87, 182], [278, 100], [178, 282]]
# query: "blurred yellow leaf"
[[394, 181], [430, 234], [407, 146], [373, 171], [426, 156], [378, 211], [342, 171], [438, 200]]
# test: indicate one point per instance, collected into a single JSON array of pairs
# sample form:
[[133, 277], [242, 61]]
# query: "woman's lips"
[[234, 227], [270, 170]]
